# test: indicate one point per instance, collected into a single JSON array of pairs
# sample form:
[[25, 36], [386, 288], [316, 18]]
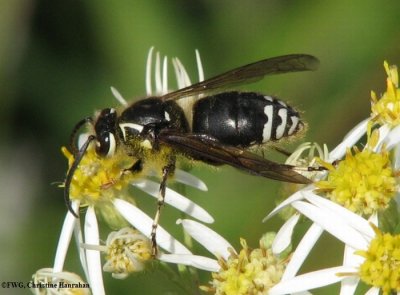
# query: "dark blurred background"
[[59, 59]]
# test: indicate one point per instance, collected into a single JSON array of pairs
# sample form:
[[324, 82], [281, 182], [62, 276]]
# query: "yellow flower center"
[[251, 272], [363, 182], [98, 179], [127, 252], [386, 110], [381, 267]]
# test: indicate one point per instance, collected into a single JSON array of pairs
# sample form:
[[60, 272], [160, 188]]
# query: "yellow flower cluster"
[[363, 182], [381, 267], [386, 110], [251, 272]]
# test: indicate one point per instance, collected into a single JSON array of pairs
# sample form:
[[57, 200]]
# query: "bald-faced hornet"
[[218, 127]]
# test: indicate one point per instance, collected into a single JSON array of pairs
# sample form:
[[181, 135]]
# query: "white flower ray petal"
[[208, 238], [197, 261], [332, 224], [349, 285], [350, 139], [143, 223], [81, 250], [310, 280], [93, 256], [297, 196], [189, 179], [284, 235], [65, 238], [302, 250], [393, 138], [175, 199], [354, 220]]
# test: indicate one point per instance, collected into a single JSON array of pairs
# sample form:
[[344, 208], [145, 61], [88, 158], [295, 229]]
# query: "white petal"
[[149, 91], [350, 258], [143, 223], [310, 280], [176, 200], [118, 96], [352, 219], [351, 139], [157, 74], [81, 250], [383, 134], [374, 291], [297, 196], [189, 179], [65, 238], [208, 238], [284, 236], [93, 256], [349, 285], [302, 250], [199, 66], [396, 161], [374, 220], [332, 224], [183, 77], [165, 76], [199, 262], [393, 138]]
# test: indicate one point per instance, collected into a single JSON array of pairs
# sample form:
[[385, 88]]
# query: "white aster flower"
[[371, 255], [101, 183], [248, 271]]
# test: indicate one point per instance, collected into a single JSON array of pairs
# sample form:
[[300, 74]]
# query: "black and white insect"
[[218, 128]]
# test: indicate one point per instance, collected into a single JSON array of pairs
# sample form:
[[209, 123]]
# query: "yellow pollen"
[[127, 252], [251, 272], [386, 110], [381, 267], [98, 178], [363, 182]]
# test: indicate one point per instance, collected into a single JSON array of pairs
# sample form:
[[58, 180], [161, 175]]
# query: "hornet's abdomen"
[[244, 118]]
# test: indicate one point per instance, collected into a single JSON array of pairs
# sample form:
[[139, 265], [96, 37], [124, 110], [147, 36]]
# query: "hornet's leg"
[[166, 171]]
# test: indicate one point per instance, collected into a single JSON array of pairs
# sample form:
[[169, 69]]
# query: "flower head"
[[382, 262], [127, 251], [247, 271], [371, 256], [363, 181], [251, 271]]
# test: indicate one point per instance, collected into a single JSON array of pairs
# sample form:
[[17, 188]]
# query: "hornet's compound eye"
[[105, 129], [106, 144]]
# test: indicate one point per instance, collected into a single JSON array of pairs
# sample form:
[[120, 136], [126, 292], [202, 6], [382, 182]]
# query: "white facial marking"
[[268, 111], [112, 111], [137, 127], [113, 145], [282, 113], [295, 122], [167, 117]]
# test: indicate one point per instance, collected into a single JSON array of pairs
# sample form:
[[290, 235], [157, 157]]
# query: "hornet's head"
[[106, 143]]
